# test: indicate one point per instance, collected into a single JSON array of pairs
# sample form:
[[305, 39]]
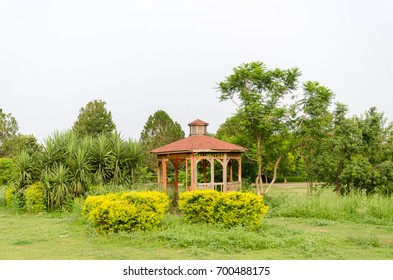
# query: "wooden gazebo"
[[199, 152]]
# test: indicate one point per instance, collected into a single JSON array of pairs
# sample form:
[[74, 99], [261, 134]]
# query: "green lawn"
[[66, 236]]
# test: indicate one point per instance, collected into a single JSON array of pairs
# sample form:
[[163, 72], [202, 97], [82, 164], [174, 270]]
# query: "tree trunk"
[[274, 174], [338, 183], [258, 181]]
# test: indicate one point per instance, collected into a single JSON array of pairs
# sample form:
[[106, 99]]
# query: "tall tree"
[[158, 131], [314, 130], [8, 133], [94, 119], [260, 94]]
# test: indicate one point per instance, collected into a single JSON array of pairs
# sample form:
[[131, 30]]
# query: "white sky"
[[142, 56]]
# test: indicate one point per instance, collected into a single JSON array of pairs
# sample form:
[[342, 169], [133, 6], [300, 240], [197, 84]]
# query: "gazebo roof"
[[198, 143], [198, 122]]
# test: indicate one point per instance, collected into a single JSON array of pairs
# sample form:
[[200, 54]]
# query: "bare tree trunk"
[[259, 181], [274, 175]]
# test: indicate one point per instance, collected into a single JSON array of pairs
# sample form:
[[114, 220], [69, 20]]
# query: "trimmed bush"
[[129, 211], [198, 206], [235, 208], [230, 209], [35, 198]]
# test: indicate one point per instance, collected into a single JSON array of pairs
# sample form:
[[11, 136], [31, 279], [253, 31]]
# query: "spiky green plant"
[[80, 172], [51, 153], [118, 158], [133, 161], [101, 159], [26, 170], [57, 183]]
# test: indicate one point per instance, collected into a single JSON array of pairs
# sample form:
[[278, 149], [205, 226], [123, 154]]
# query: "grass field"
[[297, 227]]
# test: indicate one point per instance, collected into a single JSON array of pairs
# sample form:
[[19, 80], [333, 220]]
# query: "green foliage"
[[94, 120], [358, 174], [15, 199], [130, 211], [26, 168], [8, 133], [384, 182], [373, 209], [262, 113], [6, 171], [57, 186], [158, 131], [68, 164], [230, 209], [35, 198]]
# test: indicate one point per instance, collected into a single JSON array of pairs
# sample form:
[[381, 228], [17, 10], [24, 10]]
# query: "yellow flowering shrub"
[[198, 206], [35, 198], [129, 211], [235, 208], [9, 193], [230, 209]]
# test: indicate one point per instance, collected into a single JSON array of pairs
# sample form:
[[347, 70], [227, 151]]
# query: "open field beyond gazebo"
[[298, 226]]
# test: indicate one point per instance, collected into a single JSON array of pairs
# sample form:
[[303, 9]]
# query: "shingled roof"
[[198, 143]]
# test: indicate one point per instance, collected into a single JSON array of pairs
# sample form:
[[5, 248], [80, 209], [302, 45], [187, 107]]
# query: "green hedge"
[[230, 209], [129, 211]]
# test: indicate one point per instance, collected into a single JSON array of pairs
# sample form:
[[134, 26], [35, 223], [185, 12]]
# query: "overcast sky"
[[142, 56]]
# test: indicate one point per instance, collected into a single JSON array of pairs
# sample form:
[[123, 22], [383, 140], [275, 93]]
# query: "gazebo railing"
[[231, 186]]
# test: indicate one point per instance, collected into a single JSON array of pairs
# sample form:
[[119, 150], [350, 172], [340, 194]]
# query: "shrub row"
[[230, 209], [129, 211]]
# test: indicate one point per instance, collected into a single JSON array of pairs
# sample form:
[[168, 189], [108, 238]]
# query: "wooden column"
[[224, 173], [164, 179], [212, 173], [187, 188], [193, 173], [159, 172], [239, 170], [230, 170], [176, 163]]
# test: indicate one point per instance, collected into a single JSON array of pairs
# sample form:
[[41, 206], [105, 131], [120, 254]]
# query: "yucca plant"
[[101, 159], [52, 152], [133, 160], [57, 185], [80, 172], [118, 159], [26, 170]]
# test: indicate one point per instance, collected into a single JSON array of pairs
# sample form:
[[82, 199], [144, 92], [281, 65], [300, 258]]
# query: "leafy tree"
[[369, 148], [6, 171], [158, 131], [230, 131], [314, 130], [94, 120], [375, 135], [261, 93], [8, 133], [25, 142]]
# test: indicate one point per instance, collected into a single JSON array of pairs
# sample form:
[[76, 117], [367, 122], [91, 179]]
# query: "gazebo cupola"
[[198, 127], [199, 152]]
